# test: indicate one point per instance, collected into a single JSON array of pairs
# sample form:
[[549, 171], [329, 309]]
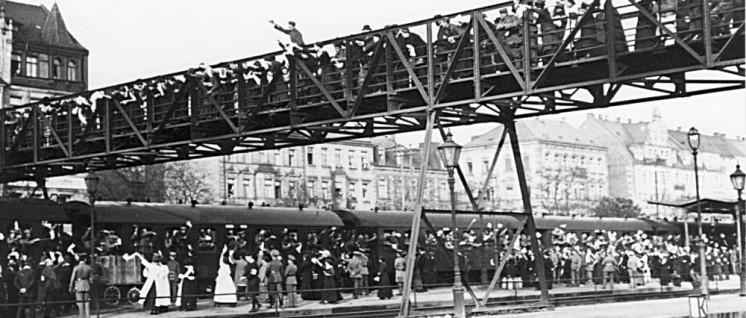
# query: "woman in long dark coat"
[[384, 283], [188, 288], [306, 268], [329, 294]]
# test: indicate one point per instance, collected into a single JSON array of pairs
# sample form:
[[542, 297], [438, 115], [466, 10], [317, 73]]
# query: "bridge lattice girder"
[[482, 76]]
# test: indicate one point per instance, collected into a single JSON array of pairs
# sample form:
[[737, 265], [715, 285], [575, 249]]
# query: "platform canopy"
[[708, 205]]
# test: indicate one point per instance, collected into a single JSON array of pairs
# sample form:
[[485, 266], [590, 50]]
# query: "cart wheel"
[[133, 295], [112, 295]]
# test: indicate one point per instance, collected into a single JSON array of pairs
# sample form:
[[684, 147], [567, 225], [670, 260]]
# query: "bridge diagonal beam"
[[503, 261], [569, 39], [503, 54], [483, 193], [320, 86], [214, 103], [455, 57], [130, 123], [649, 16], [730, 42], [181, 94], [407, 65], [366, 81], [57, 138]]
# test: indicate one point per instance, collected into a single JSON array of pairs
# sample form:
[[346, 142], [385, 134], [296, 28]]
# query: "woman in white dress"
[[225, 289], [156, 289]]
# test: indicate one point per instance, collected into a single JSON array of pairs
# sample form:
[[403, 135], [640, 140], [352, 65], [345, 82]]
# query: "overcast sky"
[[135, 39]]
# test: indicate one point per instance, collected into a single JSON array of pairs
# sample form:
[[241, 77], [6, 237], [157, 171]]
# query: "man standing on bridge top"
[[294, 34]]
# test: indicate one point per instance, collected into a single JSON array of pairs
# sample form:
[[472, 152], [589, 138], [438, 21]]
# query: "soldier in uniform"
[[80, 284]]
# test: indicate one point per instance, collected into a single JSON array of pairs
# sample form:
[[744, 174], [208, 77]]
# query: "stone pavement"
[[434, 297]]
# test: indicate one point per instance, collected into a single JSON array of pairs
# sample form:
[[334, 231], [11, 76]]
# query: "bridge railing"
[[384, 70]]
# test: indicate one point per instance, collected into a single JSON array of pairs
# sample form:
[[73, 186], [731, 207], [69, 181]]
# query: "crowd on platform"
[[45, 267]]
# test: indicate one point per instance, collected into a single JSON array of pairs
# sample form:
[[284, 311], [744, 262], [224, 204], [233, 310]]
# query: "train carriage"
[[218, 223]]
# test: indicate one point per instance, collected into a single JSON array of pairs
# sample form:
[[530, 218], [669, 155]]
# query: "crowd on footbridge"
[[548, 23]]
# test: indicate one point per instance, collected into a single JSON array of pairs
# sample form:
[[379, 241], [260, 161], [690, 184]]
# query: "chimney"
[[629, 120], [618, 119], [600, 117], [678, 128]]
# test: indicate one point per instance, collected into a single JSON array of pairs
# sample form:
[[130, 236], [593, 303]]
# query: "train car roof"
[[663, 226], [590, 224], [160, 213], [31, 210], [121, 212], [399, 219]]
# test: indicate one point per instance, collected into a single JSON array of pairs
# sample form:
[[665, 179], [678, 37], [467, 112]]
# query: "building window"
[[246, 188], [382, 189], [32, 66], [268, 190], [508, 165], [278, 159], [351, 159], [470, 166], [72, 71], [324, 159], [43, 65], [291, 157], [15, 64], [337, 157], [309, 155], [231, 188], [363, 160], [57, 69], [278, 189], [365, 190], [16, 101], [351, 190], [485, 166], [325, 190], [311, 188]]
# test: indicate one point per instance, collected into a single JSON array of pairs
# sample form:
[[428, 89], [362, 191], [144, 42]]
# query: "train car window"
[[206, 239], [108, 242], [177, 239]]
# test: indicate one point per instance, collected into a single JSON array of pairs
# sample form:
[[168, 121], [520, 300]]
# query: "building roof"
[[709, 144], [38, 25], [410, 155], [536, 130]]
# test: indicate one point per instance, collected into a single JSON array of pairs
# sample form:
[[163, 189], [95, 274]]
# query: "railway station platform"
[[567, 300], [720, 306]]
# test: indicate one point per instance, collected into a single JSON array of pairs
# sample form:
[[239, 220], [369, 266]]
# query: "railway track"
[[505, 306]]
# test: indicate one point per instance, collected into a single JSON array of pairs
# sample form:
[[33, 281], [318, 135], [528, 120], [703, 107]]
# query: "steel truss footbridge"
[[615, 53]]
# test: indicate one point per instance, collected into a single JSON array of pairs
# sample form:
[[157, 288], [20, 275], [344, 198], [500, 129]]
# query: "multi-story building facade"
[[397, 172], [39, 58], [649, 162], [333, 175], [566, 170]]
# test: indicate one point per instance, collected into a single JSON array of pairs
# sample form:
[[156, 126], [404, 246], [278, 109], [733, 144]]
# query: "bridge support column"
[[417, 217], [531, 225]]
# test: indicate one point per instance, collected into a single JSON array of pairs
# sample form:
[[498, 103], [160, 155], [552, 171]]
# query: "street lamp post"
[[91, 184], [693, 139], [737, 178], [450, 152]]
